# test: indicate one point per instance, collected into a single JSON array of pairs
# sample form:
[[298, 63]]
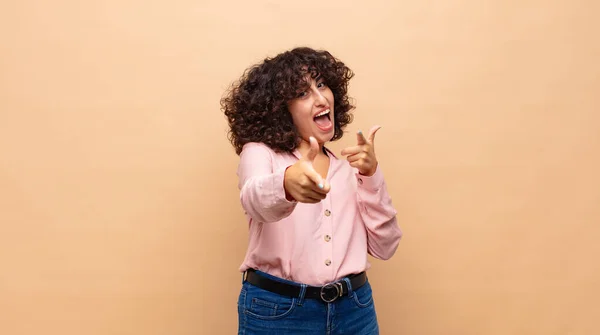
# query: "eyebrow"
[[316, 79]]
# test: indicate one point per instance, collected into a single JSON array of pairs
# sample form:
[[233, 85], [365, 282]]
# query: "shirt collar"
[[330, 153]]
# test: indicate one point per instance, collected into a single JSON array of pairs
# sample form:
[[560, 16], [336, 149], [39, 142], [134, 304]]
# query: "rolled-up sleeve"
[[262, 192]]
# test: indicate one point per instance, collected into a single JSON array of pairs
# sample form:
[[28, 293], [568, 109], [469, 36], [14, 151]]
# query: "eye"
[[321, 84], [302, 94]]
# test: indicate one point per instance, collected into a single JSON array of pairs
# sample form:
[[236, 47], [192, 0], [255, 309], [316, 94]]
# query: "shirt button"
[[327, 238], [327, 262], [327, 212]]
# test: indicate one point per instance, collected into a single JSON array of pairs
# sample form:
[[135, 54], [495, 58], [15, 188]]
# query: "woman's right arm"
[[262, 191]]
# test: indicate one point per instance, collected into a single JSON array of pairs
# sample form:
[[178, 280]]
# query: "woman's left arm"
[[378, 214], [374, 201]]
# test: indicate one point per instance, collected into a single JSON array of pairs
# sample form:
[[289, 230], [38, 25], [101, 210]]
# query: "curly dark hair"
[[256, 105]]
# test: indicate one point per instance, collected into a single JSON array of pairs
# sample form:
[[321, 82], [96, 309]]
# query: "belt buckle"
[[339, 291]]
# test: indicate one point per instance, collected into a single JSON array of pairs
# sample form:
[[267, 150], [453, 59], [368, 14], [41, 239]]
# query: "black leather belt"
[[327, 293]]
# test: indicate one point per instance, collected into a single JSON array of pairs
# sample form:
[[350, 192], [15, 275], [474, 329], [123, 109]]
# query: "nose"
[[319, 98]]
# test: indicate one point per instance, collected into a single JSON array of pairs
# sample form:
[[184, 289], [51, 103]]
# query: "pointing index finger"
[[360, 138], [315, 177]]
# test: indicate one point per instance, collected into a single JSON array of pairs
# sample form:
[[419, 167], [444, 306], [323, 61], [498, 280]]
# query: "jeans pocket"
[[363, 296], [265, 305]]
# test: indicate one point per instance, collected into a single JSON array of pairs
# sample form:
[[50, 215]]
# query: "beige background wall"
[[116, 219]]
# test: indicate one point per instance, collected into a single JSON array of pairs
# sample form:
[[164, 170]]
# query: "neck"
[[304, 147]]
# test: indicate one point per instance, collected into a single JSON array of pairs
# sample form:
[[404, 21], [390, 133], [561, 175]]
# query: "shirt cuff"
[[372, 183], [278, 187]]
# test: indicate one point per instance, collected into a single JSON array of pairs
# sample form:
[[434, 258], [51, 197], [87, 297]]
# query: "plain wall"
[[119, 208]]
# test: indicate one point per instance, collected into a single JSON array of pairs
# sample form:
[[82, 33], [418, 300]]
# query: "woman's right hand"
[[302, 182]]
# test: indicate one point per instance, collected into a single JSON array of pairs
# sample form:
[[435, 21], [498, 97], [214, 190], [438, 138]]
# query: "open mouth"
[[323, 120]]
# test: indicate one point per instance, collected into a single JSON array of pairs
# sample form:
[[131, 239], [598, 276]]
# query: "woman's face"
[[312, 112]]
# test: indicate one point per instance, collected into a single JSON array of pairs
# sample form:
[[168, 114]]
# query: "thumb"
[[313, 151], [372, 132]]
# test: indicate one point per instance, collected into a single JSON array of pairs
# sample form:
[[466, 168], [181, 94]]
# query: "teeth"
[[325, 112]]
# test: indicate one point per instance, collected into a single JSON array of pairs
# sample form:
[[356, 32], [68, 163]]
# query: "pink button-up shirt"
[[317, 243]]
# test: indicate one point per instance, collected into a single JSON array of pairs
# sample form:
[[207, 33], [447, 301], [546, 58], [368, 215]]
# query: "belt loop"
[[244, 274], [302, 294], [347, 280]]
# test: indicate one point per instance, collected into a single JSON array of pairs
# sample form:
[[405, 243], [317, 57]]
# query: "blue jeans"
[[264, 312]]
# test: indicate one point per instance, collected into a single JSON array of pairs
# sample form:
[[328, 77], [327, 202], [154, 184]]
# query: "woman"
[[313, 215]]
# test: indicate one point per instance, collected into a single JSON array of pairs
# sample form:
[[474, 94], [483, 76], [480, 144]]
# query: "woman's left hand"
[[362, 156]]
